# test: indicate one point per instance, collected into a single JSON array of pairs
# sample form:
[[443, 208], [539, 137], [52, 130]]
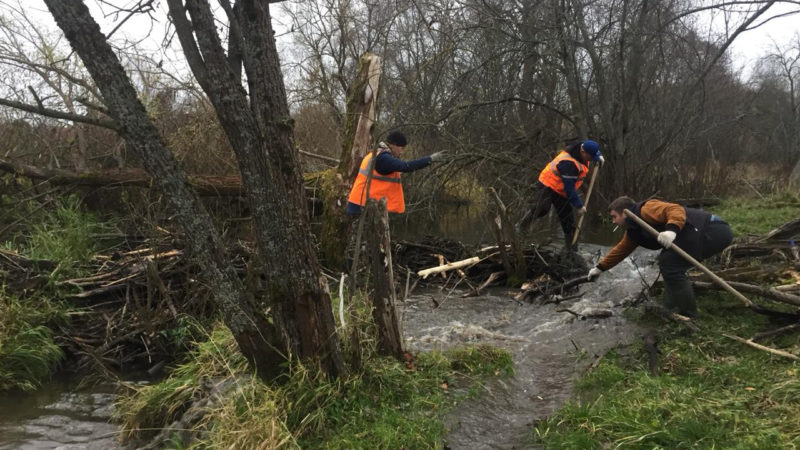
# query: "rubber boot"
[[568, 247], [572, 257], [522, 226], [679, 297]]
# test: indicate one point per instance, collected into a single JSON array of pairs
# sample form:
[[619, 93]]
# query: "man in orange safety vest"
[[557, 186], [386, 171]]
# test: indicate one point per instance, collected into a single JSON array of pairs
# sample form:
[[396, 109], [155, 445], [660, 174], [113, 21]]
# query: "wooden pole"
[[588, 196], [719, 281], [379, 248], [449, 266]]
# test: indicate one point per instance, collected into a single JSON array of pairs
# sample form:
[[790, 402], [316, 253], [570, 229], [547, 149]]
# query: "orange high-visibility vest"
[[552, 179], [381, 186]]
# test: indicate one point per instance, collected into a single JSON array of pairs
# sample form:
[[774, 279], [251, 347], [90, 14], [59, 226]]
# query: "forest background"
[[500, 85]]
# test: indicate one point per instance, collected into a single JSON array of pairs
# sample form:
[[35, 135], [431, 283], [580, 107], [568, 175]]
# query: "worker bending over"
[[697, 232], [558, 184]]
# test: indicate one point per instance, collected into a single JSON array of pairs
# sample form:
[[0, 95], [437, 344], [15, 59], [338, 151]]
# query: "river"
[[60, 415], [550, 348]]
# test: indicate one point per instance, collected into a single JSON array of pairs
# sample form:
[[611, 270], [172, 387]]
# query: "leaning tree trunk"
[[248, 325], [260, 131], [359, 119]]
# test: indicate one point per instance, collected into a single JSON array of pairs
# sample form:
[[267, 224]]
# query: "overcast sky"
[[747, 48], [755, 43]]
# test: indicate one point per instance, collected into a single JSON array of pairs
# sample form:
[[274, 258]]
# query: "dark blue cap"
[[396, 138], [592, 148]]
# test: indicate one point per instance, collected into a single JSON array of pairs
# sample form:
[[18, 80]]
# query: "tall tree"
[[259, 129]]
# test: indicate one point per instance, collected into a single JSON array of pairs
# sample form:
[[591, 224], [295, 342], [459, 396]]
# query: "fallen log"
[[766, 292], [783, 232], [204, 185]]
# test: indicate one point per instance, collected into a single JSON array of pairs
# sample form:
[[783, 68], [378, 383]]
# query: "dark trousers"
[[700, 244], [543, 199]]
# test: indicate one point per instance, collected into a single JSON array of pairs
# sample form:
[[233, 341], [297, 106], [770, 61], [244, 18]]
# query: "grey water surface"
[[550, 348], [58, 416]]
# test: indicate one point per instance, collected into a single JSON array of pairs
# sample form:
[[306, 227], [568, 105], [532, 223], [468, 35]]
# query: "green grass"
[[28, 354], [65, 235], [387, 404], [711, 392], [61, 232], [759, 215]]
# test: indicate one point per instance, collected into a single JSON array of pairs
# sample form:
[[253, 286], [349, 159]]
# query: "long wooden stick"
[[588, 196], [719, 281], [449, 266], [758, 346]]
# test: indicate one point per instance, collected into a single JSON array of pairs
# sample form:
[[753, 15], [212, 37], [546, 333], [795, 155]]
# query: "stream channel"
[[550, 349]]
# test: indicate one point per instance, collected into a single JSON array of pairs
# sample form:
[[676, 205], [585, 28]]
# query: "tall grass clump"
[[28, 354], [385, 403], [65, 235]]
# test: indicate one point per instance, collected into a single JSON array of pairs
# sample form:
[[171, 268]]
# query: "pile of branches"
[[771, 247], [754, 262], [439, 260], [121, 316]]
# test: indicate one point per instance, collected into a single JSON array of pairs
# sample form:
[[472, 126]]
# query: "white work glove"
[[665, 238], [602, 161], [581, 211], [594, 273], [438, 156]]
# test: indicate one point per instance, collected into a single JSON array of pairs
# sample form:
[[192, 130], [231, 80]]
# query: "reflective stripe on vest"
[[381, 186], [550, 177]]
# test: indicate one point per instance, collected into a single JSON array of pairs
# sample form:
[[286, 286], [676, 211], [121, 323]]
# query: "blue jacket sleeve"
[[569, 175], [386, 163]]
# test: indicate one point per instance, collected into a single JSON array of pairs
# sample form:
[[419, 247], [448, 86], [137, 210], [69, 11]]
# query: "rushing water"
[[549, 348]]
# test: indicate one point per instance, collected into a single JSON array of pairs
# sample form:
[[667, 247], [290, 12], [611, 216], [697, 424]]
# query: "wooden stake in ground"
[[719, 281], [585, 204], [379, 249]]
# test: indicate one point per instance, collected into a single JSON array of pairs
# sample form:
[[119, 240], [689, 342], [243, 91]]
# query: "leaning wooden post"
[[357, 138], [586, 204], [503, 228], [379, 248], [719, 281]]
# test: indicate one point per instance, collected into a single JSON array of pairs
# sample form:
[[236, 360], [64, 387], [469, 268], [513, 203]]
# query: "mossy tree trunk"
[[359, 120]]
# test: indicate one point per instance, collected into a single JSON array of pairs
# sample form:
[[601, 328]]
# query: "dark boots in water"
[[679, 297], [572, 258]]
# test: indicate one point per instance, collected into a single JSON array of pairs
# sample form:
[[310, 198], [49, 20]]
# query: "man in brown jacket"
[[699, 233]]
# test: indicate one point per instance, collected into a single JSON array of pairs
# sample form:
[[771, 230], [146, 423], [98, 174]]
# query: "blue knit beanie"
[[592, 148]]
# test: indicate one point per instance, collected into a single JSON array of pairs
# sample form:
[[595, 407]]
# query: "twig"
[[571, 312], [757, 346], [777, 331]]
